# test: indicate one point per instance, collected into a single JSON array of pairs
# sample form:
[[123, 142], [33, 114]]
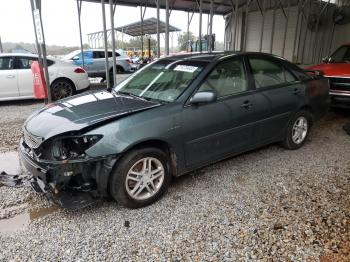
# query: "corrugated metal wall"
[[302, 45]]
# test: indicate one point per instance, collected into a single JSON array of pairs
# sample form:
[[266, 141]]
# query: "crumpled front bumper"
[[53, 178]]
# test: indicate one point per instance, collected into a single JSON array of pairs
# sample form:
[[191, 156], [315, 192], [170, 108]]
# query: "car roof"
[[213, 56], [18, 54]]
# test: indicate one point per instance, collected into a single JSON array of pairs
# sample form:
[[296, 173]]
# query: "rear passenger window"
[[227, 78], [110, 54], [268, 73], [98, 54]]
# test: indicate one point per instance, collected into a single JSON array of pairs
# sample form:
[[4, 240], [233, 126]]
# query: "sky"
[[60, 21]]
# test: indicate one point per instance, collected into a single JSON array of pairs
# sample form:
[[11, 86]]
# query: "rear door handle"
[[247, 104], [296, 91], [10, 76]]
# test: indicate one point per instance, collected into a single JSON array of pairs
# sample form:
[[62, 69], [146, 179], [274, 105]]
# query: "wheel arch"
[[309, 109], [159, 144]]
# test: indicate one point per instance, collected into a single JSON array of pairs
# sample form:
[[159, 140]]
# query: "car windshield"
[[164, 80], [342, 54]]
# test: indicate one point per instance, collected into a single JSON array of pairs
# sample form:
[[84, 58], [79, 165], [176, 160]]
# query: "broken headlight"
[[69, 148]]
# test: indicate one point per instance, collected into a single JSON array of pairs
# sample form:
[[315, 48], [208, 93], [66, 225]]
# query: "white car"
[[16, 81]]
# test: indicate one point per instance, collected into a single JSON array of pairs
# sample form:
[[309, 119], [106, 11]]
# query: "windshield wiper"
[[130, 94]]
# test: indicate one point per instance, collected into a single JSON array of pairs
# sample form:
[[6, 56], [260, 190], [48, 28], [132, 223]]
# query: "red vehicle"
[[337, 69]]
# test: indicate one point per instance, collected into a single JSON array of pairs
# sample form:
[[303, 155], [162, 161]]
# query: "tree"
[[183, 40]]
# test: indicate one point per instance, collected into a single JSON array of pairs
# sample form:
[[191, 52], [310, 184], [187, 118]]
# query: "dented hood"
[[81, 111]]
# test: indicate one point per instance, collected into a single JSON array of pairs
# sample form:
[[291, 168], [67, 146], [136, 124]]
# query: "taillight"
[[79, 70]]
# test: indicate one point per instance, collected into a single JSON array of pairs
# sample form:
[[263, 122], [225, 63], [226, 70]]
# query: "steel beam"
[[286, 28], [262, 25], [235, 25], [315, 46], [200, 25], [296, 32], [158, 30], [167, 27], [306, 31], [36, 4], [79, 3], [112, 13], [1, 49], [210, 42], [109, 88], [246, 25], [273, 27]]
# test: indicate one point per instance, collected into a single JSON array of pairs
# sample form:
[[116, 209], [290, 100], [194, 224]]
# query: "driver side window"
[[227, 78]]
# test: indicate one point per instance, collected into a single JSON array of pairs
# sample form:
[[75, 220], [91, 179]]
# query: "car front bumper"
[[71, 185], [340, 98]]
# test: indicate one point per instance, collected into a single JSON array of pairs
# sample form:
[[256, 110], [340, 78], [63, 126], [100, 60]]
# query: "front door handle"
[[10, 76], [247, 104]]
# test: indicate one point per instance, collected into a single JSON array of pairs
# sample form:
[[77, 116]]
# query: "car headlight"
[[74, 147]]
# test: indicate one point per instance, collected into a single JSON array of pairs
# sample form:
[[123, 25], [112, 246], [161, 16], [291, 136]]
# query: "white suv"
[[16, 81]]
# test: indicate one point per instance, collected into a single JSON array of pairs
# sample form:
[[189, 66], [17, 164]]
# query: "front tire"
[[298, 130], [140, 177]]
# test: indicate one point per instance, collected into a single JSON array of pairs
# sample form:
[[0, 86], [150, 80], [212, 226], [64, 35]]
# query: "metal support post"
[[273, 27], [105, 45], [158, 30], [306, 32], [315, 45], [262, 25], [1, 49], [36, 5], [246, 26], [285, 29], [112, 12], [79, 3], [235, 25], [210, 42], [167, 27], [296, 32], [200, 25], [141, 15]]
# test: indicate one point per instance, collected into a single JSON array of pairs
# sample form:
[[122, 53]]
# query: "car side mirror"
[[203, 97], [326, 59], [75, 58]]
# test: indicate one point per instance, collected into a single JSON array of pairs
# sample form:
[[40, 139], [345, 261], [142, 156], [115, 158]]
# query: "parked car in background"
[[16, 81], [173, 116], [94, 62], [337, 68]]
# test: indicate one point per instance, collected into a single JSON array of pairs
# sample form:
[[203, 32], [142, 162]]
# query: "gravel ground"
[[269, 204]]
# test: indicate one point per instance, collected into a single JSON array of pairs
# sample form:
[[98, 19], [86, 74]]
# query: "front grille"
[[338, 83], [31, 140]]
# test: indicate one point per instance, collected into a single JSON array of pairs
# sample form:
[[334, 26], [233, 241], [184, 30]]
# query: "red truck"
[[337, 69]]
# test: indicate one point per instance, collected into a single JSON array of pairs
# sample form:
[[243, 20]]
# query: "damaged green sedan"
[[174, 116]]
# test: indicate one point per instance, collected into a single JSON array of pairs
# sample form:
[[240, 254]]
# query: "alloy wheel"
[[300, 129], [145, 178]]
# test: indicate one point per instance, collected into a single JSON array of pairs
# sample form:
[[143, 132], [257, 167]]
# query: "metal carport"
[[144, 27], [252, 25]]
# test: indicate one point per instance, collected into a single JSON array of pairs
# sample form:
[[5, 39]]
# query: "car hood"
[[81, 111], [333, 69]]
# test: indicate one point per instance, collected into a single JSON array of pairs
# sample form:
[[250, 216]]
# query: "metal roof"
[[149, 27], [221, 7]]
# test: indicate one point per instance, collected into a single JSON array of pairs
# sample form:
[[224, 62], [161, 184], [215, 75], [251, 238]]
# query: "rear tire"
[[140, 177], [61, 88], [298, 130]]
